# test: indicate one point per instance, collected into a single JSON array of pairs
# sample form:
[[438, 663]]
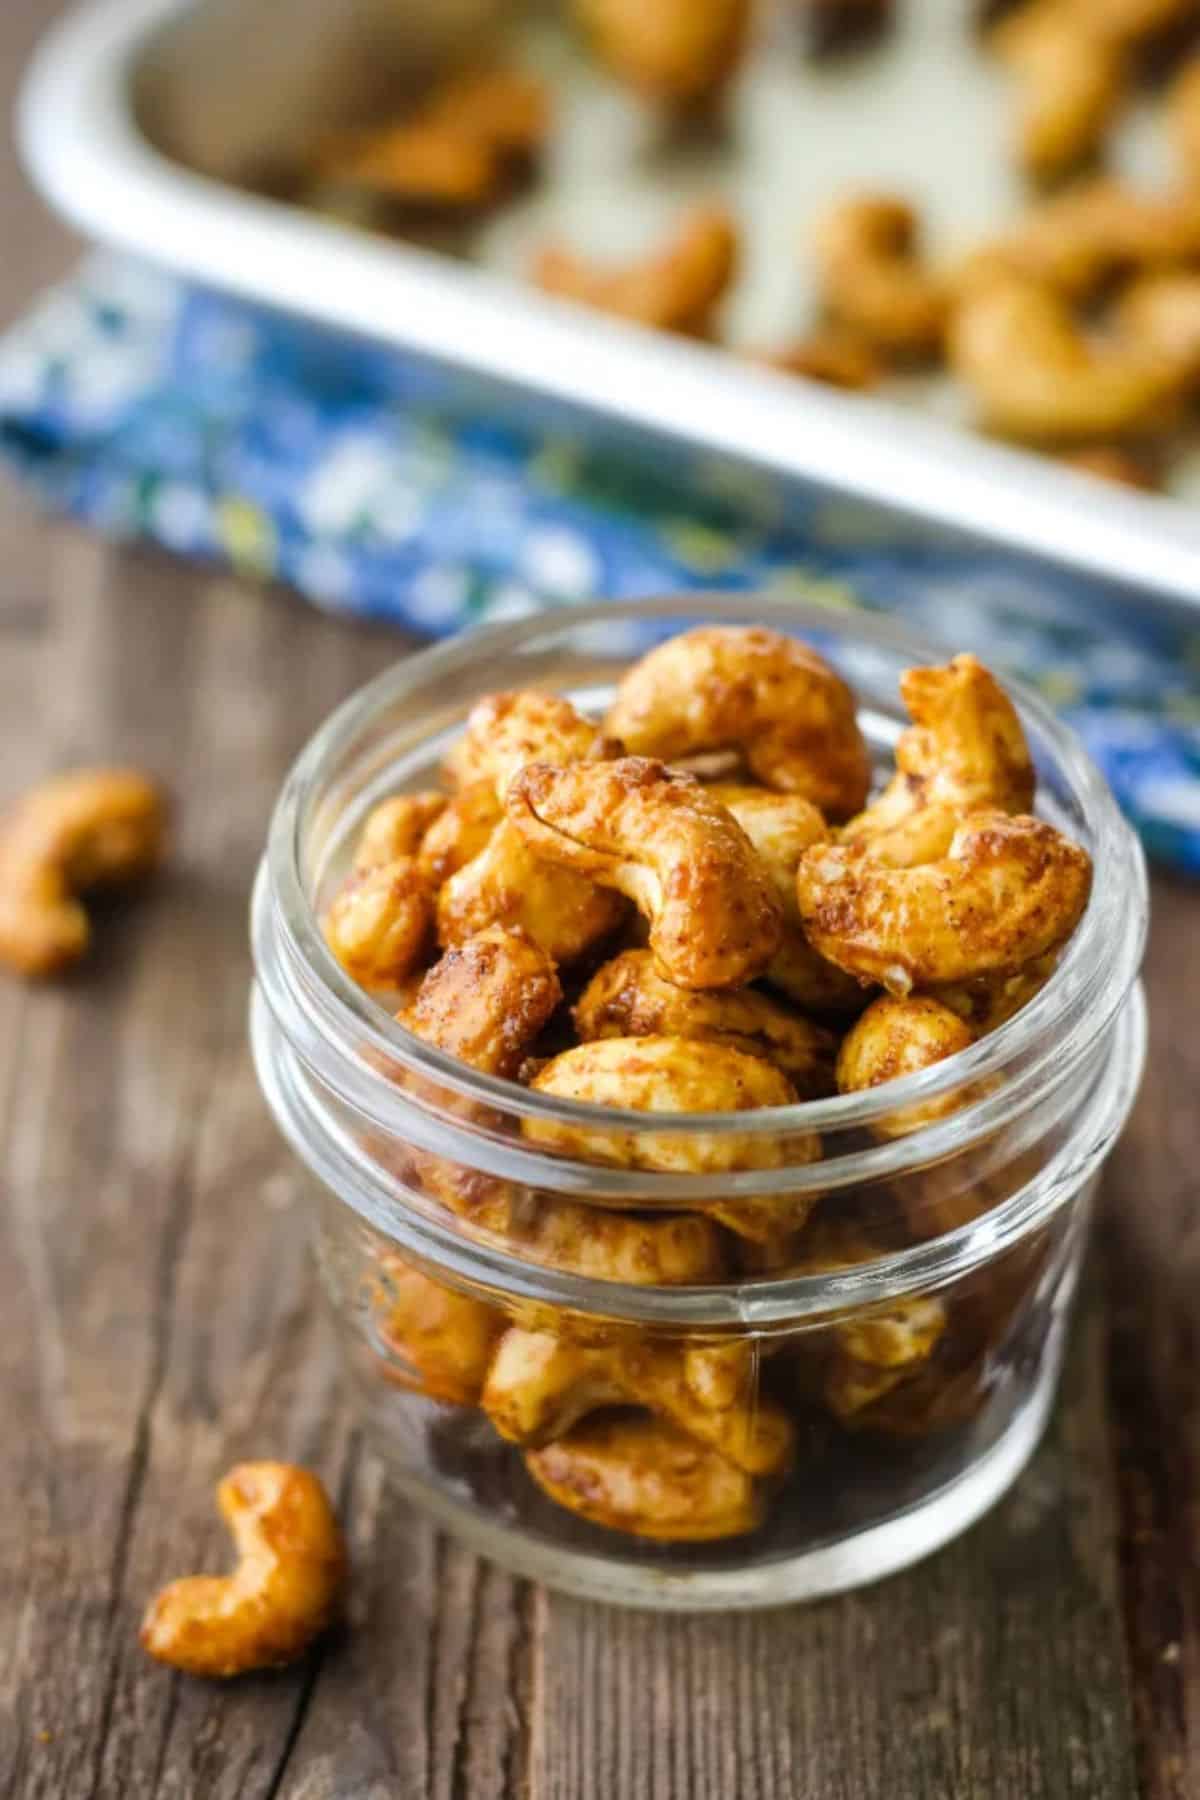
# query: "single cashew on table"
[[667, 931], [283, 1593], [71, 836]]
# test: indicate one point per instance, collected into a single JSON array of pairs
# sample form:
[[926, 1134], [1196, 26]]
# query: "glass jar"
[[789, 1375]]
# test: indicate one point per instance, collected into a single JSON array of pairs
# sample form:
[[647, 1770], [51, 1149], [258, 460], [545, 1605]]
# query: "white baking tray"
[[84, 150]]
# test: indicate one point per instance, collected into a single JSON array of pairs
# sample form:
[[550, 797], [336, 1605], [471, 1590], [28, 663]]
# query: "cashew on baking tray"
[[677, 287], [1037, 376], [872, 280], [680, 53]]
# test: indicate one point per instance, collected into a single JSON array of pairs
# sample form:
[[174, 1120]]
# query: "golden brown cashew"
[[965, 749], [443, 1341], [284, 1591], [1183, 117], [831, 355], [1133, 22], [1118, 464], [459, 149], [485, 1003], [396, 827], [986, 1005], [459, 833], [897, 1037], [680, 53], [871, 1352], [788, 714], [503, 883], [505, 731], [680, 1075], [1035, 376], [635, 1474], [540, 1385], [1162, 313], [781, 827], [507, 884], [660, 839], [1093, 231], [677, 288], [629, 998], [1008, 890], [486, 1000], [71, 834], [1072, 82], [380, 922], [871, 278]]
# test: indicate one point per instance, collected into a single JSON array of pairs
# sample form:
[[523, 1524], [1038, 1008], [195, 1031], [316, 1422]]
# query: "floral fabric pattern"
[[377, 486]]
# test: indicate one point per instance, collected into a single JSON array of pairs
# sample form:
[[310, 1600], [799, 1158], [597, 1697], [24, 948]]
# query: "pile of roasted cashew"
[[1076, 332], [737, 925]]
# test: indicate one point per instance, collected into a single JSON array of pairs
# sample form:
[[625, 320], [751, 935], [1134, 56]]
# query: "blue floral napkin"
[[152, 410]]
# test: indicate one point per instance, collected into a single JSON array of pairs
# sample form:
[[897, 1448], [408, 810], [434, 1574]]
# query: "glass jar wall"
[[794, 1372]]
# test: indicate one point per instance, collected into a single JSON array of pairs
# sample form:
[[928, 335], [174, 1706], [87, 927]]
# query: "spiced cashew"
[[508, 884], [439, 1341], [283, 1593], [636, 1474], [1096, 229], [897, 1037], [460, 832], [965, 749], [459, 149], [871, 277], [72, 835], [781, 827], [485, 1003], [660, 839], [1035, 376], [676, 288], [629, 998], [540, 1385], [1161, 313], [680, 1075], [1117, 463], [379, 922], [775, 701], [1183, 116], [1008, 890], [503, 882], [1071, 79], [506, 730], [831, 354], [486, 1000], [875, 1350], [680, 53], [397, 827], [986, 1005]]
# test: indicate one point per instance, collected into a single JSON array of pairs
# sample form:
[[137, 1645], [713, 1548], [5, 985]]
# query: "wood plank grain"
[[164, 1319], [962, 1677], [1151, 1239]]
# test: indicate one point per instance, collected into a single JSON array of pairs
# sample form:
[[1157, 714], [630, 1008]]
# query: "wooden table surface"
[[160, 1320]]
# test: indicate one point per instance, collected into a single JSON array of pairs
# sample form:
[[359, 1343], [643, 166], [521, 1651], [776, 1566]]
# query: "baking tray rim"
[[86, 155]]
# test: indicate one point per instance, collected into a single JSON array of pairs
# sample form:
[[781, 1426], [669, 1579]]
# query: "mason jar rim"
[[1081, 998]]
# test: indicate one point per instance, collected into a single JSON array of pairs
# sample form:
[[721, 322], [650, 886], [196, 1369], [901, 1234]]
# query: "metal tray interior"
[[925, 113]]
